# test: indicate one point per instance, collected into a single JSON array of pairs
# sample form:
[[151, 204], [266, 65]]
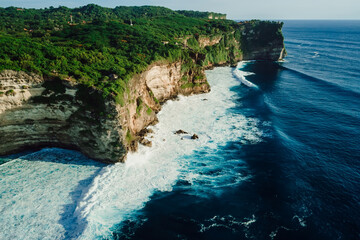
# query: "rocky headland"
[[38, 111]]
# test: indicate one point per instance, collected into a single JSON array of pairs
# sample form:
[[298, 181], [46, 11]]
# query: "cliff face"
[[274, 51], [262, 40], [205, 41], [37, 112], [50, 113]]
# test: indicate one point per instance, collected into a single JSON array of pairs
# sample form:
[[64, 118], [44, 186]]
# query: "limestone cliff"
[[160, 82], [262, 40], [38, 112], [41, 113], [273, 52], [35, 112]]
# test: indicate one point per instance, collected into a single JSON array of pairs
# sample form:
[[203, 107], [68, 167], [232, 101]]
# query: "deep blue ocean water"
[[277, 160], [305, 178]]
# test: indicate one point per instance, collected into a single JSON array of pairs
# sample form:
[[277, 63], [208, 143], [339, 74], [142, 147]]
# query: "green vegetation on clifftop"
[[103, 48]]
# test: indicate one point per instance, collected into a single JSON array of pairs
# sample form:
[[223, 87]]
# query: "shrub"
[[10, 92]]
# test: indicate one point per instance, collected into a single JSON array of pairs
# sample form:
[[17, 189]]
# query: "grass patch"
[[153, 96], [129, 138], [187, 85], [184, 78], [149, 111]]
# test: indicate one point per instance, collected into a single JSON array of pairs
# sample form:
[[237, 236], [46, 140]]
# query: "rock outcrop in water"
[[38, 112]]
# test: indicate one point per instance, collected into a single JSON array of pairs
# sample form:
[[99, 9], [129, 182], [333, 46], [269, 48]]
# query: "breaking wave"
[[99, 198], [241, 75]]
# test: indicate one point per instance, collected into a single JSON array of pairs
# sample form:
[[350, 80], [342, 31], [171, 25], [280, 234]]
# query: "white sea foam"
[[241, 75], [39, 191], [274, 233], [316, 54], [119, 191], [301, 220], [122, 189], [228, 222]]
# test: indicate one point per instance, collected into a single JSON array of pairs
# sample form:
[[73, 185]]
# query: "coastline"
[[99, 84], [38, 112], [152, 88], [118, 191]]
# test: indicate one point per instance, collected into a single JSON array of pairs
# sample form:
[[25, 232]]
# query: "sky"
[[235, 9]]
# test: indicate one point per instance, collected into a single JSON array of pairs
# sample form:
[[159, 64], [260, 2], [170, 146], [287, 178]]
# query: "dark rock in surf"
[[181, 132], [146, 142], [194, 136]]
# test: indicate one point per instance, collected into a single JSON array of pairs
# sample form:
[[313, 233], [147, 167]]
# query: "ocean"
[[278, 157]]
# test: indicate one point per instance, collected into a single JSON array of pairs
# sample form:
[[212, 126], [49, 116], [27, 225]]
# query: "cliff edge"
[[36, 113], [52, 110]]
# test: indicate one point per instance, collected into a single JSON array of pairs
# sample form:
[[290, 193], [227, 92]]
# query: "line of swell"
[[340, 57], [309, 41], [330, 86], [338, 42]]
